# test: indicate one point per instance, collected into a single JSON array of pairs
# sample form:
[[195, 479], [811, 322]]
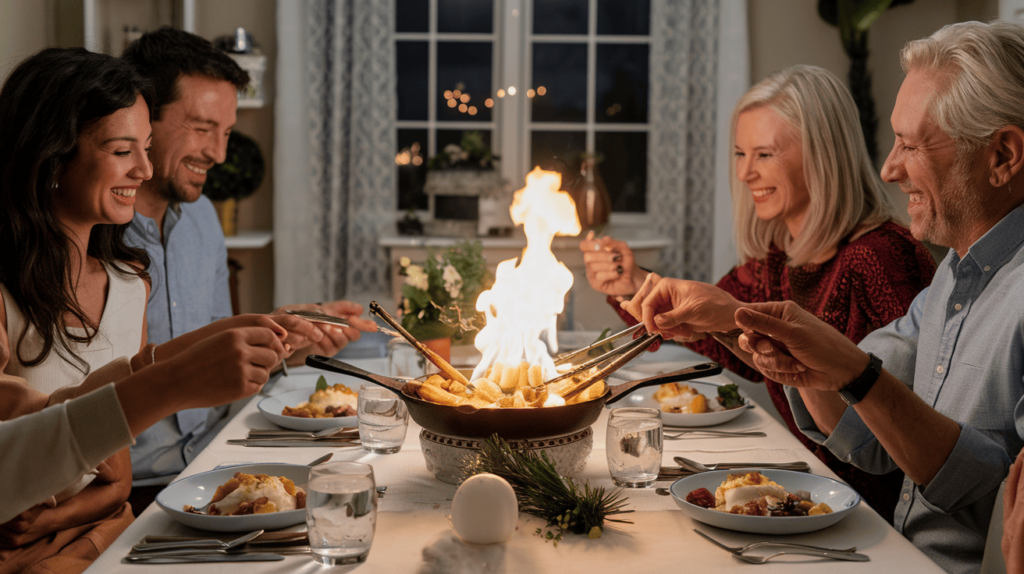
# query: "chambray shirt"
[[960, 347], [189, 270]]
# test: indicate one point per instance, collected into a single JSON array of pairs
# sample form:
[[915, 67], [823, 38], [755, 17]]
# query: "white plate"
[[839, 497], [198, 489], [707, 386], [271, 408]]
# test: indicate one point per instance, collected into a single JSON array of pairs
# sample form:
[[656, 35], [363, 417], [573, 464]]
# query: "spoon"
[[204, 508], [211, 543]]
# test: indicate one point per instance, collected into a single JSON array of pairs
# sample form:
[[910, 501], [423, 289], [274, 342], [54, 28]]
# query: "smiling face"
[[924, 161], [98, 185], [770, 161], [191, 136]]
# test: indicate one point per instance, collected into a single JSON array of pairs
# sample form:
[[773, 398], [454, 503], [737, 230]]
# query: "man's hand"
[[334, 337], [611, 268], [792, 346], [1013, 519], [682, 310]]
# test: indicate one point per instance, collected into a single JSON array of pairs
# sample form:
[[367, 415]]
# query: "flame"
[[523, 305]]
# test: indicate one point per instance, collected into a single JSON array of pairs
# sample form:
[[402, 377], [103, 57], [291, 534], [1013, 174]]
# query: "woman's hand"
[[682, 310], [1013, 519], [335, 337], [611, 268]]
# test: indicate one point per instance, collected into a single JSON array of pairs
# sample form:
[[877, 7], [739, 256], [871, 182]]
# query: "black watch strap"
[[855, 392]]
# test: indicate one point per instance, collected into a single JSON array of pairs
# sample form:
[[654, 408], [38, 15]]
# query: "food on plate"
[[754, 494], [254, 494], [325, 403], [677, 398], [504, 386]]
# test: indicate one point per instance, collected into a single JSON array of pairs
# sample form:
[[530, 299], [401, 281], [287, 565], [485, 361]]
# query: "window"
[[550, 81]]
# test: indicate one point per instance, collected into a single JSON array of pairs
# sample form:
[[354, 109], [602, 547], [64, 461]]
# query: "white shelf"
[[249, 240]]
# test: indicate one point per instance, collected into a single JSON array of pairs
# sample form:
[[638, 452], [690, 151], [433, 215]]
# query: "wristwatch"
[[855, 392]]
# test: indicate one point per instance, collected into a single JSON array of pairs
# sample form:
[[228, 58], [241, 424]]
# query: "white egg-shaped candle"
[[485, 509]]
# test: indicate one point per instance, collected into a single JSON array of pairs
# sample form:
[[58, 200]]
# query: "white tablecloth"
[[412, 519]]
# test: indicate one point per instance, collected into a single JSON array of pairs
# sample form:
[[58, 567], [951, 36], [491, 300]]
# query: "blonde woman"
[[812, 225]]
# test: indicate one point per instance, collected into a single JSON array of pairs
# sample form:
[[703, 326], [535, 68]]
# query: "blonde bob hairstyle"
[[846, 194], [984, 91]]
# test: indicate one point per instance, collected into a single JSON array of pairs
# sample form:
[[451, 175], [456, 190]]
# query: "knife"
[[199, 557], [295, 442], [265, 538]]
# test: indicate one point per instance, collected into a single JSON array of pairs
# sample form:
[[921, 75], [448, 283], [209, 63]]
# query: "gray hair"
[[984, 90], [846, 193]]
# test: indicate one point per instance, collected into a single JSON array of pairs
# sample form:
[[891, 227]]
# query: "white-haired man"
[[947, 408]]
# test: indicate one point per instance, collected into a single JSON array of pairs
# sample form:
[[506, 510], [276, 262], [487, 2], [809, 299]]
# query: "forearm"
[[825, 407], [178, 344], [917, 437], [148, 397]]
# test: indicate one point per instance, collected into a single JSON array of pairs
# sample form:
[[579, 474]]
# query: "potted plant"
[[235, 179], [439, 296], [461, 179]]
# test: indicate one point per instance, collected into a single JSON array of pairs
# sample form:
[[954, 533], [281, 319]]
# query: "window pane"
[[561, 69], [412, 15], [412, 168], [466, 16], [446, 137], [558, 151], [621, 83], [560, 16], [465, 67], [624, 168], [411, 60], [618, 17]]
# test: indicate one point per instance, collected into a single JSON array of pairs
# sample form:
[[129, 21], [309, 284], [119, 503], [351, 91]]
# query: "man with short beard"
[[196, 94], [948, 407]]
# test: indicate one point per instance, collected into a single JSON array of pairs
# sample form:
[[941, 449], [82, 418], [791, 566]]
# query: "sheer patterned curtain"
[[335, 146], [688, 140]]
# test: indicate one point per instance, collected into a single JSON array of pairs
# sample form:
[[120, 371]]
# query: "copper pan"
[[510, 424]]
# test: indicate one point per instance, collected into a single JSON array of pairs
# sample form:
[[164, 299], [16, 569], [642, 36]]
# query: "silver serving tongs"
[[577, 369], [635, 348], [314, 317], [566, 357]]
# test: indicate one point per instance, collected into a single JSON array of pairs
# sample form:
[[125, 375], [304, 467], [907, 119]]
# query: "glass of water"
[[404, 361], [341, 512], [383, 420], [634, 446]]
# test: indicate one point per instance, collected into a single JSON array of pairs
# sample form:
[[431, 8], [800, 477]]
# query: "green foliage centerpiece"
[[439, 295], [542, 492]]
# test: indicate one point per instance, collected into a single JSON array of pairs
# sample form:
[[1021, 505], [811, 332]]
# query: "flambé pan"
[[509, 423]]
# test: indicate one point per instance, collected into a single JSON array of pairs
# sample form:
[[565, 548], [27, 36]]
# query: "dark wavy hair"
[[46, 102], [168, 53]]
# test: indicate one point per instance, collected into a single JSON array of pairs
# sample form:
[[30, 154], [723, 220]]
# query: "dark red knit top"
[[870, 282]]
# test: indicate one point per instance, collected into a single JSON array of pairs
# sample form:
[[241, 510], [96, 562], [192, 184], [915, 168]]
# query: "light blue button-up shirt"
[[189, 270], [961, 349]]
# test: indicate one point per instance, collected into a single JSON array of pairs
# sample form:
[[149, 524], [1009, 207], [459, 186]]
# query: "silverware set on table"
[[777, 548], [689, 467], [676, 433], [335, 437], [258, 546]]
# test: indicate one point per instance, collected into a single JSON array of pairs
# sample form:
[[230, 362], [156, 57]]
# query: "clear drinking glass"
[[383, 420], [404, 360], [341, 512], [634, 446]]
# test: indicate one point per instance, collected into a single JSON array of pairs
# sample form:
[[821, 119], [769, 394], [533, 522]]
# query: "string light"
[[464, 99], [511, 90], [501, 93], [530, 93], [451, 103], [489, 103], [447, 94], [541, 90], [463, 108], [472, 110]]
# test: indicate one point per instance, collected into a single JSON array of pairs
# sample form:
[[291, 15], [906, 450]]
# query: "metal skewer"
[[566, 357], [314, 317], [577, 369], [645, 341], [433, 357]]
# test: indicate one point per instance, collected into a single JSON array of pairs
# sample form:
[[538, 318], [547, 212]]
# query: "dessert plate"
[[707, 386], [271, 408], [839, 497], [198, 489]]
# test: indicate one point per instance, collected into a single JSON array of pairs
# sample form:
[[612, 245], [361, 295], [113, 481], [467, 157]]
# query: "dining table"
[[414, 533]]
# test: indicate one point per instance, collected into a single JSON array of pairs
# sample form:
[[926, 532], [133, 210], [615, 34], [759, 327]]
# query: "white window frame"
[[511, 124]]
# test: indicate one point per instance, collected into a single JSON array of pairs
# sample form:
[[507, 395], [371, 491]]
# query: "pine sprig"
[[542, 492]]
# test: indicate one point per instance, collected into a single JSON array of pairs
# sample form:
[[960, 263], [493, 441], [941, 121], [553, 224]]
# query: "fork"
[[674, 434], [789, 548]]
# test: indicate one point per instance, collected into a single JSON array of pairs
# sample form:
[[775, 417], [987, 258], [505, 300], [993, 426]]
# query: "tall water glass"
[[634, 446], [341, 512], [383, 420], [404, 361]]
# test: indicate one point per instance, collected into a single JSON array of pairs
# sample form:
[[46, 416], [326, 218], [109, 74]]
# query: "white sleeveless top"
[[119, 335]]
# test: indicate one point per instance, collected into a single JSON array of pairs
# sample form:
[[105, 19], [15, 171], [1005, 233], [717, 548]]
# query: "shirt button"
[[174, 303], [939, 369], [906, 497], [987, 268], [958, 306]]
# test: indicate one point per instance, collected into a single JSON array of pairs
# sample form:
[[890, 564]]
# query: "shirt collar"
[[994, 248], [147, 227]]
